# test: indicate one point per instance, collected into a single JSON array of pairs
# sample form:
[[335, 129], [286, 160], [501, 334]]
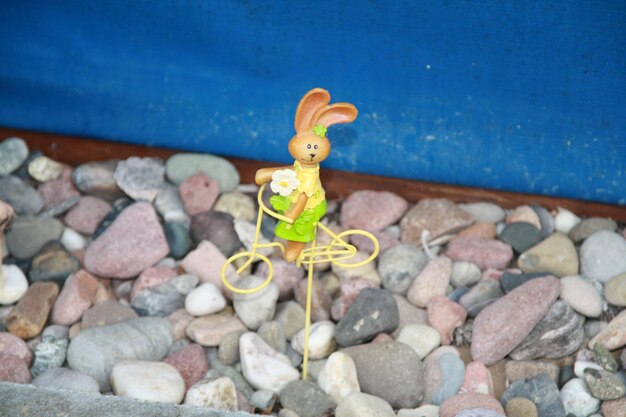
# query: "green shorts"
[[303, 229]]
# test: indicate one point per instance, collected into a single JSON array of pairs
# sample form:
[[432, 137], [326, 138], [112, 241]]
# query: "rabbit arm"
[[264, 175], [298, 207]]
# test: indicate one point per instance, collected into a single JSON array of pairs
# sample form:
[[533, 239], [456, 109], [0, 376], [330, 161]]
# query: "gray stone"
[[66, 379], [183, 165], [228, 352], [292, 316], [53, 263], [60, 208], [603, 256], [165, 298], [218, 228], [170, 206], [263, 400], [459, 292], [57, 331], [359, 404], [545, 220], [374, 311], [230, 372], [27, 235], [452, 371], [140, 178], [274, 335], [509, 281], [389, 370], [603, 357], [589, 226], [106, 313], [465, 274], [21, 196], [50, 353], [306, 399], [604, 385], [97, 179], [521, 236], [541, 390], [480, 296], [13, 152], [258, 307], [399, 266], [178, 239], [95, 351], [559, 334], [484, 212]]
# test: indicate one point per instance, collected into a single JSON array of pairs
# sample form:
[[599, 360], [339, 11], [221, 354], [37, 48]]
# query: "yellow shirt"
[[310, 185]]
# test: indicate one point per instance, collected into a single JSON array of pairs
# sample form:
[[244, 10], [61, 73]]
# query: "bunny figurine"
[[300, 195]]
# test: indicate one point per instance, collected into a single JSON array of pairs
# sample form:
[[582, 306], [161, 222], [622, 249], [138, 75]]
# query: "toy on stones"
[[299, 204]]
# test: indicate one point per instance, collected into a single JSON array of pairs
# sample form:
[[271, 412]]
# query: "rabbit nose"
[[312, 155]]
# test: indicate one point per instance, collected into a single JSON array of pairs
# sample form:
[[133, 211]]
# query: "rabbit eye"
[[315, 146], [308, 146]]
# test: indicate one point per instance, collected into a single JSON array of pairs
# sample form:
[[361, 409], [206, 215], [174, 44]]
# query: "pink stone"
[[286, 276], [482, 230], [385, 241], [432, 281], [179, 320], [210, 330], [614, 408], [348, 291], [58, 191], [14, 346], [87, 214], [13, 369], [106, 313], [445, 316], [454, 405], [151, 277], [321, 302], [190, 362], [206, 262], [132, 243], [438, 216], [524, 214], [77, 295], [382, 337], [491, 273], [198, 193], [485, 253], [477, 379], [504, 324], [372, 210]]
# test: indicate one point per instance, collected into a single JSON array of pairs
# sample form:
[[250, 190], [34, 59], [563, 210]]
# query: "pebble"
[[306, 399], [116, 209], [53, 263], [321, 301], [246, 232], [500, 327], [339, 378], [13, 369], [604, 385], [445, 316], [50, 353], [603, 256], [583, 363], [43, 169], [481, 230], [372, 210], [264, 401], [577, 398], [258, 307], [484, 212], [555, 255], [13, 284], [484, 253], [615, 290], [480, 296], [228, 352], [133, 242], [205, 299], [581, 295], [422, 338], [520, 407], [590, 226], [85, 216], [374, 311], [97, 179], [11, 345], [178, 239], [444, 373], [183, 165], [210, 330], [541, 390], [198, 193], [515, 370], [218, 228], [612, 336], [432, 281], [144, 339], [546, 219], [614, 408], [206, 262], [151, 277], [106, 313], [321, 340], [27, 236], [66, 379], [565, 220], [453, 406], [511, 279], [59, 195], [521, 236], [27, 319], [389, 370], [464, 274], [438, 216], [190, 362], [164, 298], [140, 178], [477, 379], [367, 271], [524, 214], [170, 206], [21, 196], [262, 366], [148, 381], [358, 404], [291, 315], [13, 152], [273, 333], [399, 266], [76, 297], [219, 393], [237, 204], [72, 241], [559, 333], [423, 411], [286, 276]]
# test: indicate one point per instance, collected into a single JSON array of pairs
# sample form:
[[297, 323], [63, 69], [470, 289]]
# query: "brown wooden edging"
[[74, 150]]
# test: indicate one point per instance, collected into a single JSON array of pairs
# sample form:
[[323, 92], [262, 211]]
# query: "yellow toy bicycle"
[[300, 202]]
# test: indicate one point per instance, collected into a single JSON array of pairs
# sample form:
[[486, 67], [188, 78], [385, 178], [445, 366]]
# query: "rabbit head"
[[310, 146]]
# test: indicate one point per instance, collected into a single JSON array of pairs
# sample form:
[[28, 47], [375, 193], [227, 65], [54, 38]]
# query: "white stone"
[[217, 393], [577, 399], [13, 284], [358, 404], [580, 366], [258, 307], [603, 256], [150, 381], [338, 378], [321, 340], [581, 296], [262, 366], [565, 220], [44, 169], [72, 240], [464, 274], [245, 232], [421, 338], [484, 212], [204, 299], [423, 411]]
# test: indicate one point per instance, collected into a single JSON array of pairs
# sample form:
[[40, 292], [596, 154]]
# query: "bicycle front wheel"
[[252, 257]]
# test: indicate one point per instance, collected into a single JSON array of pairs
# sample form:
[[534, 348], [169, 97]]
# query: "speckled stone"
[[399, 266], [237, 204], [217, 393], [182, 165], [614, 408], [484, 253], [372, 210], [50, 353], [140, 178], [85, 216], [541, 390], [500, 327], [520, 407], [198, 193], [306, 399], [27, 319], [604, 385], [438, 216], [603, 256], [12, 345], [13, 369], [21, 196], [468, 401]]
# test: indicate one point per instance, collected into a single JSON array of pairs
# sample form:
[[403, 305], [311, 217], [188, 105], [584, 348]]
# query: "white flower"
[[284, 182]]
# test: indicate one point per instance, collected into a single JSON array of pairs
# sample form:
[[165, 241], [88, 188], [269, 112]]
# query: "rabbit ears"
[[313, 109]]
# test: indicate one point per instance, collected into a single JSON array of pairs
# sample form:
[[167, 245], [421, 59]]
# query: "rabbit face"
[[309, 149]]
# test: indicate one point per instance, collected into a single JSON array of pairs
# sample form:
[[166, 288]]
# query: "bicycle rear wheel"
[[340, 241]]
